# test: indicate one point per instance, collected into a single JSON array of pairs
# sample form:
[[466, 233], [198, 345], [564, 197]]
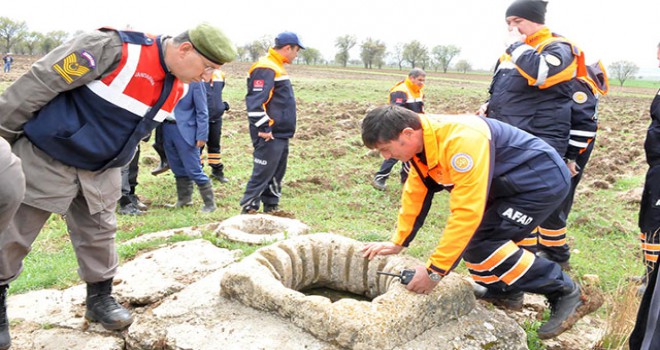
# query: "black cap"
[[531, 10]]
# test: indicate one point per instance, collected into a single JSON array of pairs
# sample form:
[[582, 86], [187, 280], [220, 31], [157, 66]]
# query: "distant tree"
[[11, 32], [31, 41], [52, 40], [463, 66], [443, 54], [344, 43], [622, 71], [373, 53], [397, 54], [259, 47], [310, 55], [243, 52], [414, 52]]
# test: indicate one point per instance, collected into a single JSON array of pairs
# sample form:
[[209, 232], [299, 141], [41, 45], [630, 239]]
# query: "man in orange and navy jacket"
[[494, 203], [271, 108], [408, 93]]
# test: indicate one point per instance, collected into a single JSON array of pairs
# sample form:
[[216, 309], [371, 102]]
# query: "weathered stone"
[[260, 229], [62, 338], [169, 270], [270, 279]]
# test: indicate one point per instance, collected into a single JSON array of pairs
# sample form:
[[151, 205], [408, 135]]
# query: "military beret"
[[212, 43]]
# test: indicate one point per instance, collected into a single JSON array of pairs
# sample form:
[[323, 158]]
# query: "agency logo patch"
[[553, 60], [398, 101], [74, 66], [462, 162], [580, 97]]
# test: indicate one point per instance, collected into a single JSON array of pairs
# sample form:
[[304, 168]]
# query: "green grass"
[[327, 184]]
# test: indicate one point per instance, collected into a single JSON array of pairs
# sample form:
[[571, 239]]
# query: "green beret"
[[212, 43]]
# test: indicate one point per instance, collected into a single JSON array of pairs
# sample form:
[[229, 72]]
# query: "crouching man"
[[503, 182]]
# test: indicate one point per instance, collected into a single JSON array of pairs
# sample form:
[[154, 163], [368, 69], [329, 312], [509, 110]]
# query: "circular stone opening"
[[259, 228]]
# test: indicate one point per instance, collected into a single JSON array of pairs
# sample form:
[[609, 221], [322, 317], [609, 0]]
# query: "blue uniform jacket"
[[192, 115]]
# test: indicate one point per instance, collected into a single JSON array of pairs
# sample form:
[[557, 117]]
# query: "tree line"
[[15, 37]]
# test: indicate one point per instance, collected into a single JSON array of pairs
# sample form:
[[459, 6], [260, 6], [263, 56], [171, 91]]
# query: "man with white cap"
[[74, 119]]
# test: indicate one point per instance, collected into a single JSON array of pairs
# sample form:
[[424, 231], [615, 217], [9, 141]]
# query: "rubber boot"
[[509, 300], [164, 165], [103, 308], [5, 338], [184, 191], [206, 190]]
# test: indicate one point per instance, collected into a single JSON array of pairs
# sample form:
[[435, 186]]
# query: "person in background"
[[217, 108], [75, 119], [184, 133], [408, 93], [494, 203], [129, 203], [8, 59], [271, 108], [584, 124], [163, 165], [646, 333]]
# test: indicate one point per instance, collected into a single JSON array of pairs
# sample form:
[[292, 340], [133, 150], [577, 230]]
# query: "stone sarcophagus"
[[275, 277]]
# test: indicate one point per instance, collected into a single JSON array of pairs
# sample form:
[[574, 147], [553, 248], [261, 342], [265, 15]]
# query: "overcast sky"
[[607, 30]]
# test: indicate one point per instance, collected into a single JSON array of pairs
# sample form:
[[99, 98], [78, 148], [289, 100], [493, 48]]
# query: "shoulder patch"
[[553, 60], [580, 97], [462, 162], [258, 85], [75, 65]]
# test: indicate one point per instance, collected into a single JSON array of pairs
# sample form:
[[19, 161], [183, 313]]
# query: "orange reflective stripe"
[[519, 269], [651, 257], [498, 256], [552, 243], [567, 74], [651, 247], [527, 242], [485, 279], [552, 233], [642, 236]]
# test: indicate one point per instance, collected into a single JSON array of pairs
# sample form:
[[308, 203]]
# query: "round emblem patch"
[[553, 60], [580, 97], [461, 162]]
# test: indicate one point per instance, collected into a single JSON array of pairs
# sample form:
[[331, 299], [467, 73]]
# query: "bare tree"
[[398, 55], [11, 32], [623, 70], [31, 41], [52, 40], [259, 47], [414, 52], [344, 43], [463, 66], [443, 54], [373, 52]]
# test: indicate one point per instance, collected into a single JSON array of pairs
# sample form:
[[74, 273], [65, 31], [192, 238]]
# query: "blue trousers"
[[183, 158]]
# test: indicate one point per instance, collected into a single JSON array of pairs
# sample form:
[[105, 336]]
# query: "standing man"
[[184, 134], [646, 334], [271, 108], [74, 119], [494, 203], [533, 87], [407, 93], [584, 124], [8, 59], [217, 108], [129, 203]]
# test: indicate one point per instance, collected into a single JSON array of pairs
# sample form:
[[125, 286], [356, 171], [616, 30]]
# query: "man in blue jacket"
[[271, 108]]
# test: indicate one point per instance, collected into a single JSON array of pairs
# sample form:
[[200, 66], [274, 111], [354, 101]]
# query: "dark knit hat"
[[212, 43], [531, 10]]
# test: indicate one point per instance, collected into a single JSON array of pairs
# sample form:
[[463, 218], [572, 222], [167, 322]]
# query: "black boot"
[[184, 190], [103, 308], [206, 190], [563, 312], [5, 339], [219, 174], [505, 300], [164, 165], [126, 207]]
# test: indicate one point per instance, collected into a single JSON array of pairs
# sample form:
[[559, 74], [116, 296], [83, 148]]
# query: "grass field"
[[327, 184]]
